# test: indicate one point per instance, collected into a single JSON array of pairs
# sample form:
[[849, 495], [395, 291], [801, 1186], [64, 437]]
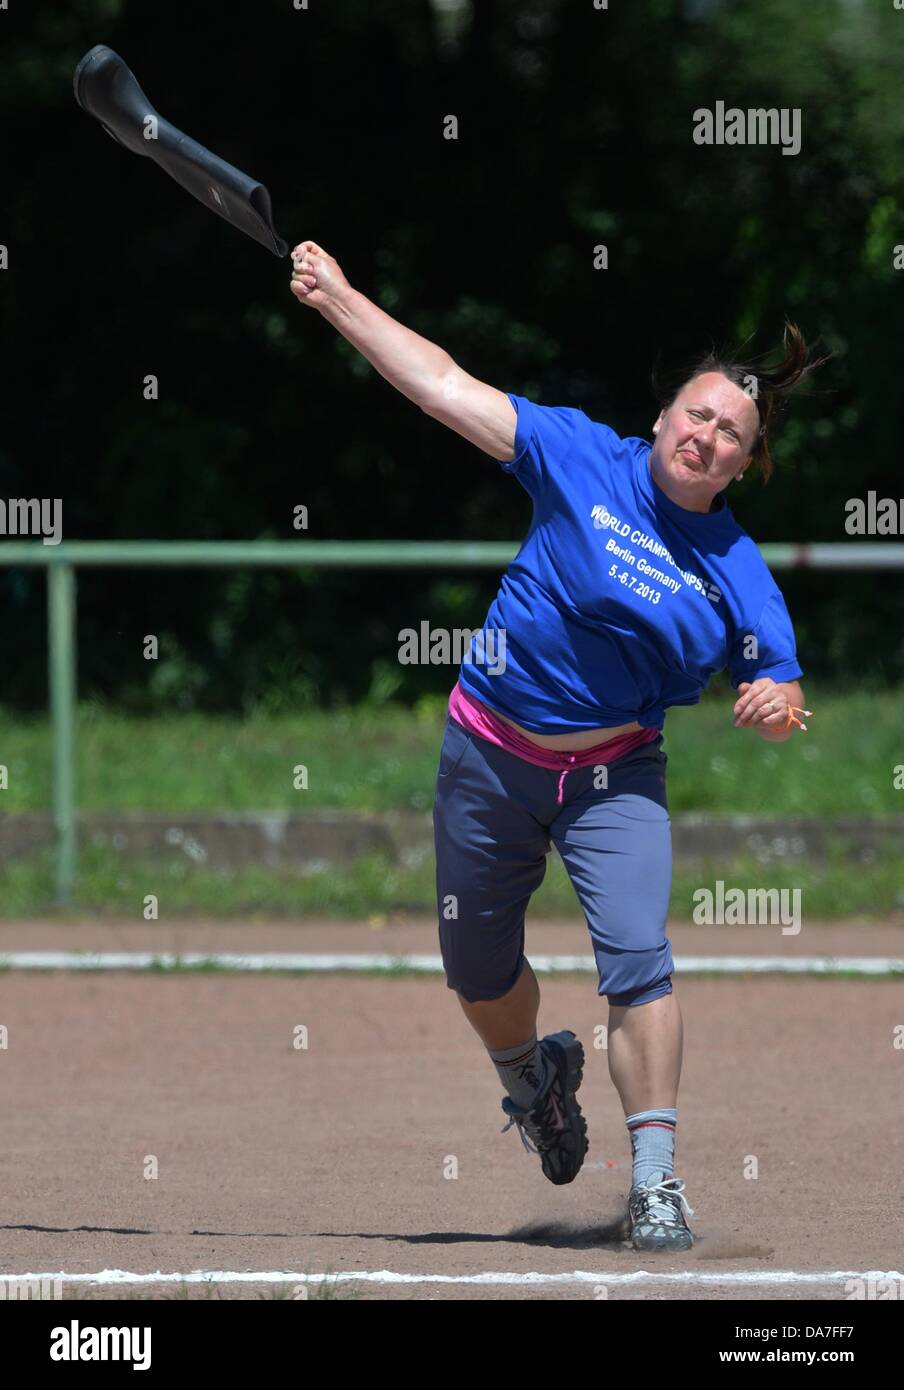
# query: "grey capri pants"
[[495, 816]]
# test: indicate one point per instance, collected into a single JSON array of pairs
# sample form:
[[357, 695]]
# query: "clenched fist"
[[316, 277]]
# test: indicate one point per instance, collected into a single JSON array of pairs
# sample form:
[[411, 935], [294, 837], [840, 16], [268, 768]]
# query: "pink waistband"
[[479, 719]]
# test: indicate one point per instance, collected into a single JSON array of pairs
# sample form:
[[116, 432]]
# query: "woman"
[[634, 585]]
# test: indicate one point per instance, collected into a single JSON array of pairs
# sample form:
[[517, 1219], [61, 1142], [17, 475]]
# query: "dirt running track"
[[331, 1157]]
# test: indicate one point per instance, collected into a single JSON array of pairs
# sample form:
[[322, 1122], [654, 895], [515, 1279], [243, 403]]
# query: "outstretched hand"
[[316, 277]]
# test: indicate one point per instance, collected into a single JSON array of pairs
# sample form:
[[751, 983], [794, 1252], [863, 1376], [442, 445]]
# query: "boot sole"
[[682, 1242], [568, 1055]]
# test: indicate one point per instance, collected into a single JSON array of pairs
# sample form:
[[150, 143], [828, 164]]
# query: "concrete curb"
[[324, 839]]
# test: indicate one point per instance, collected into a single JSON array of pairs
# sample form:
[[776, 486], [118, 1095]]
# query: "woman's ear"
[[658, 422]]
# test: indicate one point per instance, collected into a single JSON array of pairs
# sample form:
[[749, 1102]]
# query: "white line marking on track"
[[282, 961], [387, 1276]]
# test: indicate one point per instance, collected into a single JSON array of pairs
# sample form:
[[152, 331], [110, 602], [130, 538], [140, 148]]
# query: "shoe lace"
[[658, 1198], [538, 1125], [519, 1121]]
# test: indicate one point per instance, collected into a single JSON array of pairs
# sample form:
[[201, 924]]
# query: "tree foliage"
[[574, 132]]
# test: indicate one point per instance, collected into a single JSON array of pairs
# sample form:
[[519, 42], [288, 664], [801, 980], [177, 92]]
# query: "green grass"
[[383, 758], [371, 888]]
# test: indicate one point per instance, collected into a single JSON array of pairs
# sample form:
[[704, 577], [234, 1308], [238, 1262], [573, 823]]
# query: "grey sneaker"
[[554, 1127], [656, 1214]]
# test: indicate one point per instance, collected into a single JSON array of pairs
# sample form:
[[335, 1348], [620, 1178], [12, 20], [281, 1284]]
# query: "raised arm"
[[421, 370]]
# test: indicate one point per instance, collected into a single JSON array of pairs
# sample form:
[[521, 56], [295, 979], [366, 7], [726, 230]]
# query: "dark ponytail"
[[768, 387]]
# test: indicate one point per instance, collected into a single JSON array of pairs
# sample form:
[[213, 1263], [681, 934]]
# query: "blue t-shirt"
[[619, 603]]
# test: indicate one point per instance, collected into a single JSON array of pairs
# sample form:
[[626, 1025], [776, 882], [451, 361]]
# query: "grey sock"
[[523, 1070], [652, 1142]]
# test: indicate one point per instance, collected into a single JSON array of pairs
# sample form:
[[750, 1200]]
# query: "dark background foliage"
[[574, 131]]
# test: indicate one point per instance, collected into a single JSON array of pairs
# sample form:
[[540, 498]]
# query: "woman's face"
[[703, 440]]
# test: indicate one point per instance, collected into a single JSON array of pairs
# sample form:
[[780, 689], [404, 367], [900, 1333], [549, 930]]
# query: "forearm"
[[410, 363]]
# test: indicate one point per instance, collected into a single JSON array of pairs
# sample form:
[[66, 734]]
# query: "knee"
[[636, 977], [480, 981], [482, 964], [643, 994], [486, 991]]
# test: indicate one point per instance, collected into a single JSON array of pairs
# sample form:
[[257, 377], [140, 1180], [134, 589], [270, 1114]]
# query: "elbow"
[[440, 392]]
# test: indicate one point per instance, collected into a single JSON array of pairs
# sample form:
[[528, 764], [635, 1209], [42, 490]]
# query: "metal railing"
[[61, 562]]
